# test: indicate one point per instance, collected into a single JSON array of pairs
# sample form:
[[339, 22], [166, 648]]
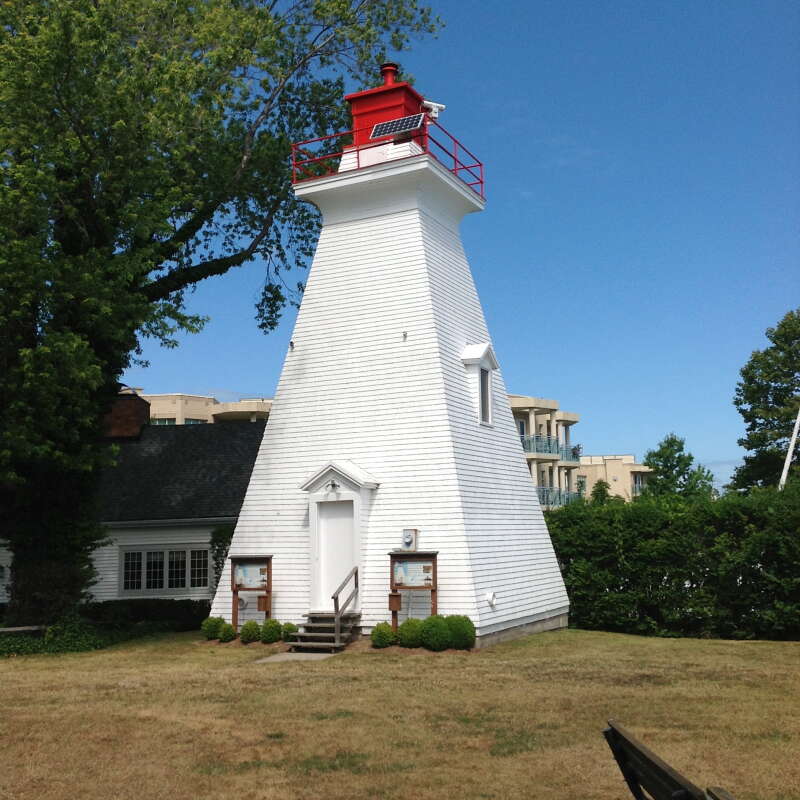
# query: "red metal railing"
[[317, 158]]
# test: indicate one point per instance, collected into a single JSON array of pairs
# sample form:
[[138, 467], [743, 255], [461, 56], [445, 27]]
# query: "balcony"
[[553, 497], [549, 445]]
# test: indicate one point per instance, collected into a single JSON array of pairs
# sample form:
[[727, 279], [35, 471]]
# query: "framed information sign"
[[411, 571], [251, 574]]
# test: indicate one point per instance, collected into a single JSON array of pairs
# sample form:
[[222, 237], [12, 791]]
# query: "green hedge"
[[175, 615], [726, 568]]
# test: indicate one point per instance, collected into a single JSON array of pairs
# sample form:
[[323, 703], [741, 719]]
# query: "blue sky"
[[641, 232]]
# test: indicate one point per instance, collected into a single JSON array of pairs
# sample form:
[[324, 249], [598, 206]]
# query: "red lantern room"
[[390, 122], [393, 100]]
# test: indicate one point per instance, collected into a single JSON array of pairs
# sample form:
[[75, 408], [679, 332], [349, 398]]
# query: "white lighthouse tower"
[[391, 414]]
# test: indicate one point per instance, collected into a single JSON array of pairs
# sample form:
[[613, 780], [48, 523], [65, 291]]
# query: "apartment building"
[[550, 451], [624, 476], [196, 409]]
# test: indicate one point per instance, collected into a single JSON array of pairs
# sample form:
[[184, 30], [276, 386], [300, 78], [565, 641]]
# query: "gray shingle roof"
[[181, 472]]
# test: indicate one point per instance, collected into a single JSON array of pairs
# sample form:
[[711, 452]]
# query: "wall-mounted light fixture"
[[332, 486]]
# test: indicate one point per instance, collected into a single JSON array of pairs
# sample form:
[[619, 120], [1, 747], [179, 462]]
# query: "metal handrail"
[[339, 611], [469, 172]]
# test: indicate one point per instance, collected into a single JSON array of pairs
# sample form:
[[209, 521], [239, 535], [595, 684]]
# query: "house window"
[[163, 421], [194, 421], [164, 570], [154, 570], [132, 571], [199, 568], [581, 484], [485, 396], [521, 426], [177, 569]]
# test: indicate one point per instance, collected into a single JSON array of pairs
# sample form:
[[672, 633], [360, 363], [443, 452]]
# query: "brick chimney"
[[128, 415]]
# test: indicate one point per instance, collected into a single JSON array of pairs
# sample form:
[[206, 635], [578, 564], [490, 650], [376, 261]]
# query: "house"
[[390, 427], [171, 487]]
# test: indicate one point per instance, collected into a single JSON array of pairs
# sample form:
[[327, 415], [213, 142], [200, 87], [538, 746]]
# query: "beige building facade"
[[624, 476], [196, 409], [550, 450]]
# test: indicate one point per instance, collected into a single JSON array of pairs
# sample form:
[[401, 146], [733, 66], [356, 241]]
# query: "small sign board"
[[409, 571], [251, 574], [413, 573]]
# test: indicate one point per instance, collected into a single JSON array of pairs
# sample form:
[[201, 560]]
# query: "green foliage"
[[768, 397], [220, 544], [672, 565], [72, 634], [288, 630], [145, 149], [211, 627], [227, 633], [409, 633], [673, 472], [382, 635], [172, 615], [271, 631], [435, 633], [250, 632], [462, 632], [601, 492]]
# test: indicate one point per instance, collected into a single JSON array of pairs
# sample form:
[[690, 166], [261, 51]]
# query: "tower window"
[[486, 396]]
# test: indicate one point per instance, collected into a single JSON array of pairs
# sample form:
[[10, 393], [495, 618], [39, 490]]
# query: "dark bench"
[[647, 776]]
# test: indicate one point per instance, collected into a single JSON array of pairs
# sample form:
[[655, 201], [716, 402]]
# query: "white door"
[[336, 550]]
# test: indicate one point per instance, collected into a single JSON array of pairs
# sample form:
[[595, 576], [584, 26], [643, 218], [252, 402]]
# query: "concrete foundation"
[[537, 626]]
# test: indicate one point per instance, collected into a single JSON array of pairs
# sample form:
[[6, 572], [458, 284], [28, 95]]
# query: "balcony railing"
[[549, 445], [317, 158], [553, 497]]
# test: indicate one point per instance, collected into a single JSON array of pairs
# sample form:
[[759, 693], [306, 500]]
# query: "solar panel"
[[395, 126]]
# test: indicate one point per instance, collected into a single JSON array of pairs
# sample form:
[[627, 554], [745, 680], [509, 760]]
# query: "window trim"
[[165, 550]]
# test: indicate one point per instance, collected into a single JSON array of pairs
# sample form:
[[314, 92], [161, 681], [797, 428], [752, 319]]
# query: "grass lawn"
[[173, 717]]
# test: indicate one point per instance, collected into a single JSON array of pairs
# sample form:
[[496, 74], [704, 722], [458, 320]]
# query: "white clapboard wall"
[[375, 377]]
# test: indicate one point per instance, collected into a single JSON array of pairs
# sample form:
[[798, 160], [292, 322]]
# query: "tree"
[[601, 492], [145, 149], [767, 397], [673, 472]]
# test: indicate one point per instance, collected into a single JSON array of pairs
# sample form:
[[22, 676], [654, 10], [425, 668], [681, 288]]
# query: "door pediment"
[[345, 473]]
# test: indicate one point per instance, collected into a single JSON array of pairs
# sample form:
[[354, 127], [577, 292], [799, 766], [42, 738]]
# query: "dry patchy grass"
[[175, 718]]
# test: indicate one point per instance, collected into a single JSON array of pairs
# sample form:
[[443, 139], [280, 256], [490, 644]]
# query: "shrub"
[[172, 615], [250, 632], [288, 630], [684, 566], [210, 627], [71, 634], [227, 633], [462, 632], [382, 635], [435, 633], [271, 631], [409, 633]]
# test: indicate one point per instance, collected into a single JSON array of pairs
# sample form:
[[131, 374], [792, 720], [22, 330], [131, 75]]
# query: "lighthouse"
[[390, 445]]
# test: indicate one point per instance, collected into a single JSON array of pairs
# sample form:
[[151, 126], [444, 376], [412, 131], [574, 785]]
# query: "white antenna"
[[789, 452]]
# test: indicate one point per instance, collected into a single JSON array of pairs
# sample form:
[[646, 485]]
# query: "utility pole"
[[789, 452]]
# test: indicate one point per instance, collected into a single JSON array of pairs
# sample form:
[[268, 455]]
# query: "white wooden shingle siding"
[[108, 559], [375, 377]]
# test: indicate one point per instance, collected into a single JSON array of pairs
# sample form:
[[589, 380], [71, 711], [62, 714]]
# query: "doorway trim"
[[336, 480]]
